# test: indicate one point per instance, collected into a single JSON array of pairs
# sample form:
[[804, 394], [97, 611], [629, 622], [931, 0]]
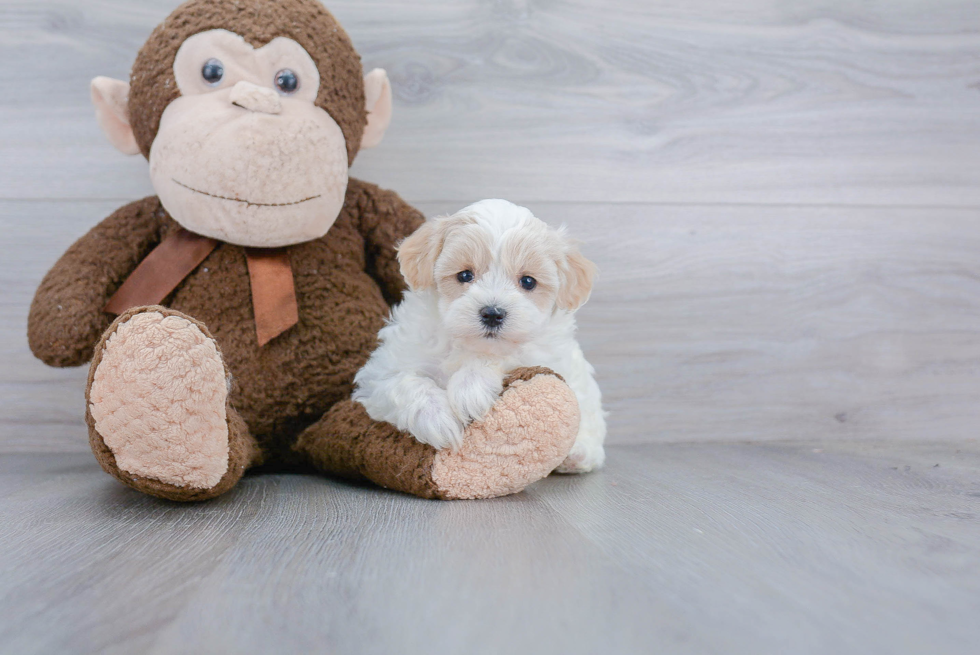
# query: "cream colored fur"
[[217, 161], [158, 400], [111, 99], [240, 160], [255, 98], [377, 100], [440, 365]]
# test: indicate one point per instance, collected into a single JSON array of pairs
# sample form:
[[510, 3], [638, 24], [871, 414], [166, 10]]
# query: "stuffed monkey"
[[226, 316]]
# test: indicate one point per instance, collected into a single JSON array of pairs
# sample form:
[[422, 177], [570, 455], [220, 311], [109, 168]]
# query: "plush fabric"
[[526, 434], [256, 98], [221, 171], [158, 400], [307, 22], [347, 442], [243, 451], [66, 318], [110, 97], [523, 438], [182, 398], [377, 92], [343, 284]]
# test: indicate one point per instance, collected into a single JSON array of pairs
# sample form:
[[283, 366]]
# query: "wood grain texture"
[[782, 198], [805, 102], [803, 548], [718, 320], [708, 323]]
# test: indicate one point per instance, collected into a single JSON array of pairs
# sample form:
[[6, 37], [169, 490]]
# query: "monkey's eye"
[[528, 283], [286, 81], [213, 71], [464, 276]]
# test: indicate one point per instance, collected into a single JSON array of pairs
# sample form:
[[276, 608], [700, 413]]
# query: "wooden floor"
[[683, 548], [784, 202]]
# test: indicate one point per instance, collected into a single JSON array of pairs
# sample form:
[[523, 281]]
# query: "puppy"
[[492, 288]]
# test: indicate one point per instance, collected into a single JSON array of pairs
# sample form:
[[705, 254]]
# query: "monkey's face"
[[244, 155]]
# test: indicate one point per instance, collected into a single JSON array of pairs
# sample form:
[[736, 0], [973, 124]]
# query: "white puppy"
[[492, 288]]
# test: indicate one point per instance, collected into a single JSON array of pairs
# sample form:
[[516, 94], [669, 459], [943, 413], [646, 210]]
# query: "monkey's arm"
[[66, 318], [385, 219]]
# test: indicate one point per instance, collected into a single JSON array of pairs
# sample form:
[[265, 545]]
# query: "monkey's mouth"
[[247, 203]]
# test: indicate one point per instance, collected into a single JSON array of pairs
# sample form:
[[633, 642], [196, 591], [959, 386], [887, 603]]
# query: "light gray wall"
[[782, 197]]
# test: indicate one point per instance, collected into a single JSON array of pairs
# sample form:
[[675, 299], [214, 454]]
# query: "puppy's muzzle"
[[492, 317]]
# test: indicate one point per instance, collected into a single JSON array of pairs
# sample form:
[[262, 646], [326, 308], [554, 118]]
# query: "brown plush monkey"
[[250, 290]]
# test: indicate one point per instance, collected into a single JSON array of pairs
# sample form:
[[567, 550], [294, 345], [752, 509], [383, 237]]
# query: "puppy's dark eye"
[[464, 276], [213, 71], [528, 283], [286, 81]]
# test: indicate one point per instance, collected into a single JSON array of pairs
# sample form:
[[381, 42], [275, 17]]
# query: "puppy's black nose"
[[492, 317]]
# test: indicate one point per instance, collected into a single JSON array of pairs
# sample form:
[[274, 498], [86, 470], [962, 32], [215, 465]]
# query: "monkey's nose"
[[492, 317], [255, 98]]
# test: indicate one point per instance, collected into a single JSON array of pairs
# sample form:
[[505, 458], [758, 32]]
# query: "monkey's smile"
[[248, 203]]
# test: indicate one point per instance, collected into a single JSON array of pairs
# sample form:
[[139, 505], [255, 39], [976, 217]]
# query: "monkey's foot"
[[157, 407], [526, 434]]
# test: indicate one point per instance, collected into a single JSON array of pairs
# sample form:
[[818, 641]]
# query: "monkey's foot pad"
[[524, 437], [158, 400]]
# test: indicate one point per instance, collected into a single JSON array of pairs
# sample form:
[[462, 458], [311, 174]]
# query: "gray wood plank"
[[683, 142], [804, 548], [829, 102], [695, 548], [708, 323]]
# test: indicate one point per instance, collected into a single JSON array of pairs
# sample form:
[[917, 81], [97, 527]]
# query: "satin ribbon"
[[273, 292], [269, 272]]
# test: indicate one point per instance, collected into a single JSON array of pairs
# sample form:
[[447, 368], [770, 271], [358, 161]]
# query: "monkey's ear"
[[377, 96], [111, 99]]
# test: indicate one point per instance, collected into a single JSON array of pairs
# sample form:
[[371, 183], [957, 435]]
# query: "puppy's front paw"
[[584, 457], [434, 423], [472, 392]]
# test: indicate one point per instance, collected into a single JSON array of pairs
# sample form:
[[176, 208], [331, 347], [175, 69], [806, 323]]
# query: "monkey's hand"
[[66, 318]]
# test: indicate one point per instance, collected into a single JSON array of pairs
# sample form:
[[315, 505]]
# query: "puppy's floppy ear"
[[417, 254], [577, 274]]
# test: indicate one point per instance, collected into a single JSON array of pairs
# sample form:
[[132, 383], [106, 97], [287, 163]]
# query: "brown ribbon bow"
[[269, 273]]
